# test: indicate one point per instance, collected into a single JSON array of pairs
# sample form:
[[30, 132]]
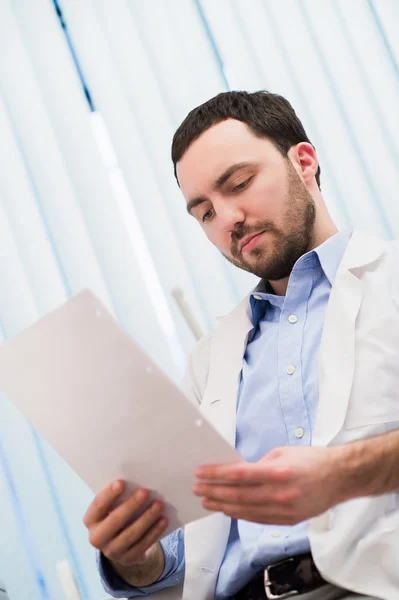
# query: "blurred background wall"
[[91, 92]]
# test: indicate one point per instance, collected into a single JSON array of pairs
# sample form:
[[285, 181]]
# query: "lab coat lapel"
[[228, 347], [337, 350]]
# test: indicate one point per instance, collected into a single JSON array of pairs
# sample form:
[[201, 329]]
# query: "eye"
[[207, 215], [242, 185]]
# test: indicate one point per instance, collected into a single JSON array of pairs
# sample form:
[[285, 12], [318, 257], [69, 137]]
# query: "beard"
[[288, 244]]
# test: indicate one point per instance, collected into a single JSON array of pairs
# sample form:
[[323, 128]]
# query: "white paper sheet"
[[107, 409]]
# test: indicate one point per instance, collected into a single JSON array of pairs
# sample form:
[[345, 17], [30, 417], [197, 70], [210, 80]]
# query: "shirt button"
[[275, 534], [257, 297], [290, 370], [292, 319], [299, 432]]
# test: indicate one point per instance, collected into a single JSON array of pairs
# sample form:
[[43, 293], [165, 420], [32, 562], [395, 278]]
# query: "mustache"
[[242, 230]]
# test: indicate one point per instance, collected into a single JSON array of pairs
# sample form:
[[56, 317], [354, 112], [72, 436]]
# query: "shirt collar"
[[329, 255]]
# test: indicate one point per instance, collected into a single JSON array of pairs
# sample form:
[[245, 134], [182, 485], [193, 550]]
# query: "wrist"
[[348, 475], [146, 573], [365, 467], [339, 478]]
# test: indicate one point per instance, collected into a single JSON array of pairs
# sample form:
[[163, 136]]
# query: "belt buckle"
[[268, 585]]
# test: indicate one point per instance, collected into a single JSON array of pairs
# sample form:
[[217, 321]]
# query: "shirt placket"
[[290, 341]]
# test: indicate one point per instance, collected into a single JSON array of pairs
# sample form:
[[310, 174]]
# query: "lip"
[[249, 242]]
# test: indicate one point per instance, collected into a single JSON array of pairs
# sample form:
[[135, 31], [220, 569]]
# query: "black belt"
[[285, 579]]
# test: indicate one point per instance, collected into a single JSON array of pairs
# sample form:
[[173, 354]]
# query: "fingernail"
[[117, 486], [141, 495]]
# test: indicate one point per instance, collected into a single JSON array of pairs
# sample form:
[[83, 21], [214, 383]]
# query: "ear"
[[304, 158]]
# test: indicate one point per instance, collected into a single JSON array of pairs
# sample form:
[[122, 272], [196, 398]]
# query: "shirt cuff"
[[173, 573]]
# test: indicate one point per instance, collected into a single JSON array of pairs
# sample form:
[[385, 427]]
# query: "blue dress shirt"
[[277, 406]]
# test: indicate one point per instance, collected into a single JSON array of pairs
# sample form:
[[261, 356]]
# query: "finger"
[[102, 533], [150, 538], [135, 532], [137, 552], [234, 472], [268, 516], [265, 495], [103, 503], [233, 494]]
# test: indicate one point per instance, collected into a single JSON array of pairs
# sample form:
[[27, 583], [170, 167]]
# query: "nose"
[[229, 215]]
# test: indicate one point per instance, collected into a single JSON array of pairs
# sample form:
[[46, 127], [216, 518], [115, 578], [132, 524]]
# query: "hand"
[[285, 487], [119, 533]]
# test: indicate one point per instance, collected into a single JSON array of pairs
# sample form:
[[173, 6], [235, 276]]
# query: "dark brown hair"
[[267, 115]]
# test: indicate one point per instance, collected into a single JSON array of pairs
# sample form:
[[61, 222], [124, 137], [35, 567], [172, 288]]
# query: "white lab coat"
[[355, 544]]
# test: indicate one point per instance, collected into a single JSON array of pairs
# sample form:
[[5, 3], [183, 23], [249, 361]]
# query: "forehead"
[[219, 147]]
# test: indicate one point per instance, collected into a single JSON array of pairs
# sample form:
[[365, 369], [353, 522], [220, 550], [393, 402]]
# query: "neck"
[[321, 235]]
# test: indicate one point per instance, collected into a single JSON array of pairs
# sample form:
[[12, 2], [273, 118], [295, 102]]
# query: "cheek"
[[219, 238], [266, 200]]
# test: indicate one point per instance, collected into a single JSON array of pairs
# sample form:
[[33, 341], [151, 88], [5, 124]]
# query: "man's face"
[[248, 198]]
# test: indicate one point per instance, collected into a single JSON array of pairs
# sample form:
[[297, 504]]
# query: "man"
[[317, 424]]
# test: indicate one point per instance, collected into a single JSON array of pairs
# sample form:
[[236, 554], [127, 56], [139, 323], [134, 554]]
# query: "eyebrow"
[[220, 181]]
